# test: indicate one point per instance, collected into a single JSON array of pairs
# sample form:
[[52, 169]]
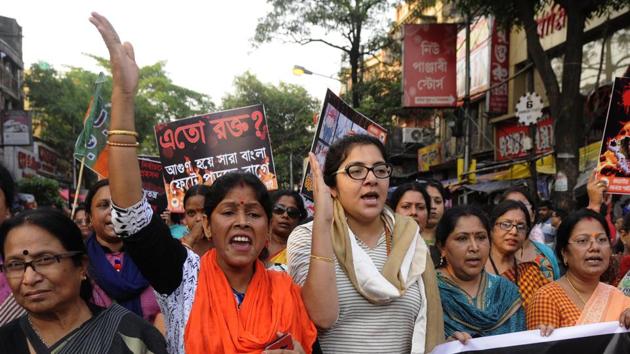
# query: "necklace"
[[575, 290], [36, 331]]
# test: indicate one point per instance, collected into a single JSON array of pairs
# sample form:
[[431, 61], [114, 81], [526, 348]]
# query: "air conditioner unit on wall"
[[417, 136]]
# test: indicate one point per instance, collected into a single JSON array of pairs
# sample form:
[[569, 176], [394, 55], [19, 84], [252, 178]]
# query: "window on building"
[[615, 59]]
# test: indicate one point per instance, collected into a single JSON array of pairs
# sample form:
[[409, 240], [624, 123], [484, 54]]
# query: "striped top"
[[362, 327]]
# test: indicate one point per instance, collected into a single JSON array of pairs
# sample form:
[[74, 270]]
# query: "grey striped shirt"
[[362, 327]]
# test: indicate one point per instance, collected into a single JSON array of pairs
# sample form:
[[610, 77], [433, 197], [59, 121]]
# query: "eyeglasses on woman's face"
[[280, 209], [508, 225], [586, 240], [381, 170], [42, 264]]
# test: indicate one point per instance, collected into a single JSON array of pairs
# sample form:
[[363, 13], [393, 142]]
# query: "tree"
[[45, 190], [361, 23], [289, 110], [563, 91], [61, 99]]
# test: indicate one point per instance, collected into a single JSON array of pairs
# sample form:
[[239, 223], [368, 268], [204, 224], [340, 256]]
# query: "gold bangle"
[[122, 132], [135, 145], [325, 259]]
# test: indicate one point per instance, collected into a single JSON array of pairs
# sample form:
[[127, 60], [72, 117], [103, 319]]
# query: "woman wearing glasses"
[[288, 211], [583, 244], [510, 223], [46, 265], [532, 250], [362, 267]]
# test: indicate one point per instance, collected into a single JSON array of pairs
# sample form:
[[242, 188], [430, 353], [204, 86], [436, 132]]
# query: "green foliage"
[[289, 110], [360, 25], [61, 99], [45, 190]]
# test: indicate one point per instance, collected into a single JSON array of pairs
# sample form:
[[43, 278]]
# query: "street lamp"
[[300, 70]]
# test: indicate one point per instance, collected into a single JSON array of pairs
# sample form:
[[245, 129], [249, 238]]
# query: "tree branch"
[[319, 40], [534, 47]]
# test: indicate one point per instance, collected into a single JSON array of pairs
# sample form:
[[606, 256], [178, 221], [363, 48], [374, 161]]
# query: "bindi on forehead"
[[25, 252]]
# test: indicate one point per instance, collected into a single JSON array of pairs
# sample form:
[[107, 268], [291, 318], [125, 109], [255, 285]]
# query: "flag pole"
[[76, 193]]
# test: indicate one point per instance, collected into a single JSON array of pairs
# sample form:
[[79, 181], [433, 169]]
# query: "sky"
[[205, 43]]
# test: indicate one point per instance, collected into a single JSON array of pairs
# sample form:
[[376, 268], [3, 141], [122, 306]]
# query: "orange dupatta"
[[272, 304], [606, 304]]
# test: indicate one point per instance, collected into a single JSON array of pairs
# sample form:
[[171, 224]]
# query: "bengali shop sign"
[[479, 57], [429, 65], [614, 156], [203, 148], [16, 128], [499, 70], [337, 120], [510, 139]]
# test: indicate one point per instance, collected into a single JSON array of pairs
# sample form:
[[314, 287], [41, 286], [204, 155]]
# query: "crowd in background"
[[372, 271]]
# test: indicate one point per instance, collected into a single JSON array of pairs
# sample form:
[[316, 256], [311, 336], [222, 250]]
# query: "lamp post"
[[299, 70]]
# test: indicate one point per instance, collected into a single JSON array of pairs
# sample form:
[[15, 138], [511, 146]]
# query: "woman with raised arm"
[[368, 281], [225, 301]]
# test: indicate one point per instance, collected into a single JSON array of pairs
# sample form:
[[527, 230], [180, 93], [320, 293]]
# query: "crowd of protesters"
[[247, 271]]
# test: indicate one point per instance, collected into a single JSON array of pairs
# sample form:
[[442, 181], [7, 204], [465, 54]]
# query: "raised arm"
[[147, 239], [319, 292], [124, 171]]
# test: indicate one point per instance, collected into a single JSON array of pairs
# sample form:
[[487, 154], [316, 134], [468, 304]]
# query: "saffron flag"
[[91, 146]]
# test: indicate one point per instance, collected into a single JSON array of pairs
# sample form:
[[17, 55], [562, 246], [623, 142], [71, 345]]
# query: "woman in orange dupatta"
[[225, 301], [583, 243]]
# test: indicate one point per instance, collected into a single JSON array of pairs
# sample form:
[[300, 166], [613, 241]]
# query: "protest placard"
[[337, 120], [201, 149], [607, 337], [151, 174], [614, 156]]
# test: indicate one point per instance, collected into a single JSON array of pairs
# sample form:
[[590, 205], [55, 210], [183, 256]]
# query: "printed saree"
[[496, 309]]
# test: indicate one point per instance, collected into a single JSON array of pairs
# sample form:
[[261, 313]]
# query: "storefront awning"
[[494, 186]]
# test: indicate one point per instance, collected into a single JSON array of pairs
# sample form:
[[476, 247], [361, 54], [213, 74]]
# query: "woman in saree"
[[46, 264], [225, 301], [363, 267], [534, 248], [475, 303], [583, 244], [510, 225]]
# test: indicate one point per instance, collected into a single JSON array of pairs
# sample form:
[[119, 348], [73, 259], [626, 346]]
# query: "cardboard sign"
[[337, 120], [203, 148], [614, 156]]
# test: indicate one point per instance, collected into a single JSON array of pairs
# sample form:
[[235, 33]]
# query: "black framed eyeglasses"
[[16, 268], [380, 170], [509, 225], [279, 209]]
